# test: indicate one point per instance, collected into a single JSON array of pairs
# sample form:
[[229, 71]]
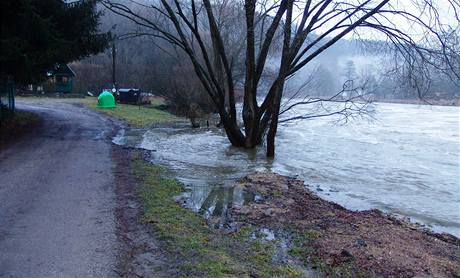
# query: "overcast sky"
[[444, 8]]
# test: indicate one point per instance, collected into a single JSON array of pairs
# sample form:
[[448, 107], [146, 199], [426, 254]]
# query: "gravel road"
[[57, 196]]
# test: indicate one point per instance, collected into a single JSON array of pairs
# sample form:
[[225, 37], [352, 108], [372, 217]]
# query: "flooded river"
[[406, 162]]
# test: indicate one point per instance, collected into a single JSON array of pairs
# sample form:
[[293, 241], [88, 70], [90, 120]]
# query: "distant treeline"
[[155, 66]]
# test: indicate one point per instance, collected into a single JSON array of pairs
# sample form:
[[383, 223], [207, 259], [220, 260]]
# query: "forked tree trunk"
[[237, 138], [233, 131], [252, 129]]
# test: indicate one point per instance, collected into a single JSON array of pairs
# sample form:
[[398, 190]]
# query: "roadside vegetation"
[[12, 126], [145, 115], [201, 250], [134, 115]]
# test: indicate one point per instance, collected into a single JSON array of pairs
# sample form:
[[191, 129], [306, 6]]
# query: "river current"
[[406, 161]]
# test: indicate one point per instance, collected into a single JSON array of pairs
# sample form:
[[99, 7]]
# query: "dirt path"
[[57, 197]]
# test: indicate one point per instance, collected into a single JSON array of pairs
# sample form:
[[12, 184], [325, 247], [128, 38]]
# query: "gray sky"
[[415, 7]]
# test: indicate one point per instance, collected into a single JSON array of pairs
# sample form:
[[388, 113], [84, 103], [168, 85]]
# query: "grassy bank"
[[135, 115], [202, 251], [13, 126]]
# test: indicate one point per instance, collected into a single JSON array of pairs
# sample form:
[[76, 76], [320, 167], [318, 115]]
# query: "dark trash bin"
[[128, 96]]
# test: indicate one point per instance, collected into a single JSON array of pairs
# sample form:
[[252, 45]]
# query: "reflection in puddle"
[[207, 175], [214, 201], [130, 138]]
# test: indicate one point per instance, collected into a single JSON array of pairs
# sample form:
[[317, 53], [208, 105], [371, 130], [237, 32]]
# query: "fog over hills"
[[153, 65]]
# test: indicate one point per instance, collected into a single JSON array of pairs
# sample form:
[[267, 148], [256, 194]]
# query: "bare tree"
[[306, 28]]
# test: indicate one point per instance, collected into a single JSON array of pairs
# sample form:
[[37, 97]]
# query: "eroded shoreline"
[[332, 237], [314, 235]]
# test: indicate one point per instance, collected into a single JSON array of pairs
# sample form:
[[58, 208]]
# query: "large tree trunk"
[[233, 131], [252, 128], [250, 109]]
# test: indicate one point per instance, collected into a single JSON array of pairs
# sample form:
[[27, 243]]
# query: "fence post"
[[2, 91], [7, 89], [11, 96]]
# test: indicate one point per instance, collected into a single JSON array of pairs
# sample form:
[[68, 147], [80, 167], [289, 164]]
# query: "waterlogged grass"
[[203, 252], [303, 250], [133, 114]]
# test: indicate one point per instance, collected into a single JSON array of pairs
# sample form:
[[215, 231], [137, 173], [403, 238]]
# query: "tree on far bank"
[[350, 73], [38, 34]]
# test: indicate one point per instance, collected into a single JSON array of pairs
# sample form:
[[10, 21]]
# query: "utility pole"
[[114, 58]]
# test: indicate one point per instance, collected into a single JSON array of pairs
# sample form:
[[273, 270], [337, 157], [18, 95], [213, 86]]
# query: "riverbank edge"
[[453, 103], [329, 241], [197, 249], [200, 251], [354, 243], [160, 238]]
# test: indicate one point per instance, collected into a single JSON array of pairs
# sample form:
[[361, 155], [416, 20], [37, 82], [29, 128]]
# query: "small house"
[[60, 79]]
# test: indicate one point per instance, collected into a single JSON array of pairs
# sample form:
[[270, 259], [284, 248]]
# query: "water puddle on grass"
[[210, 189], [207, 175], [282, 243]]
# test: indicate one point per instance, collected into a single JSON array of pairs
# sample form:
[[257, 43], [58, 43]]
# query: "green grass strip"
[[202, 251]]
